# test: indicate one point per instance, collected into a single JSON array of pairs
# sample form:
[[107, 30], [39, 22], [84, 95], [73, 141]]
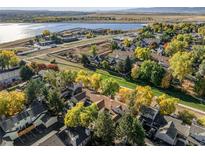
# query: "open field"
[[146, 18]]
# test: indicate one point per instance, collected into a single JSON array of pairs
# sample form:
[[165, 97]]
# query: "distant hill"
[[182, 10]]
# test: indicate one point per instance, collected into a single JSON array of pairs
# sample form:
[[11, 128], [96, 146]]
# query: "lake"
[[14, 31]]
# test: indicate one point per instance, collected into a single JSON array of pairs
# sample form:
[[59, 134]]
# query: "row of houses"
[[169, 130]]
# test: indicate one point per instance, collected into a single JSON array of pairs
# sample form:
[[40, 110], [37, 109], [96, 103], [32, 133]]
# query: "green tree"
[[104, 129], [186, 117], [109, 87], [26, 73], [181, 64], [128, 65], [55, 102], [199, 87], [93, 50], [34, 90], [130, 129]]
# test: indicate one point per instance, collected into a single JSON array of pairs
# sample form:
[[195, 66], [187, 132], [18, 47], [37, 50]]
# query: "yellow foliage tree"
[[167, 104], [8, 58], [201, 121], [142, 53], [83, 77], [124, 94], [95, 80], [11, 102], [181, 64], [144, 96], [127, 42]]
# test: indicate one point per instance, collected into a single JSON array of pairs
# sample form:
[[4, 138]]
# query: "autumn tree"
[[167, 104], [104, 130], [46, 33], [127, 42], [124, 94], [95, 81], [81, 115], [11, 102], [181, 64], [109, 87], [142, 53], [175, 46], [8, 58], [144, 96], [83, 77], [131, 130]]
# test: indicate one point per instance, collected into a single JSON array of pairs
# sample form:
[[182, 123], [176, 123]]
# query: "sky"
[[67, 8], [102, 3]]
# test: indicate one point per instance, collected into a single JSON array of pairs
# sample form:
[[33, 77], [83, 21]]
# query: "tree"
[[157, 74], [109, 87], [83, 77], [201, 70], [175, 46], [185, 37], [72, 117], [120, 67], [11, 102], [105, 64], [127, 42], [201, 121], [135, 72], [124, 94], [26, 73], [198, 53], [52, 78], [186, 117], [167, 105], [144, 96], [128, 65], [54, 101], [34, 90], [201, 30], [130, 128], [67, 77], [104, 129], [95, 81], [166, 80], [93, 50], [84, 60], [8, 58], [142, 53], [114, 45], [46, 33], [81, 115], [181, 64], [199, 87], [151, 71]]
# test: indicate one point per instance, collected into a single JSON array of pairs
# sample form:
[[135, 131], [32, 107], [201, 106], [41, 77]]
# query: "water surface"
[[14, 31]]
